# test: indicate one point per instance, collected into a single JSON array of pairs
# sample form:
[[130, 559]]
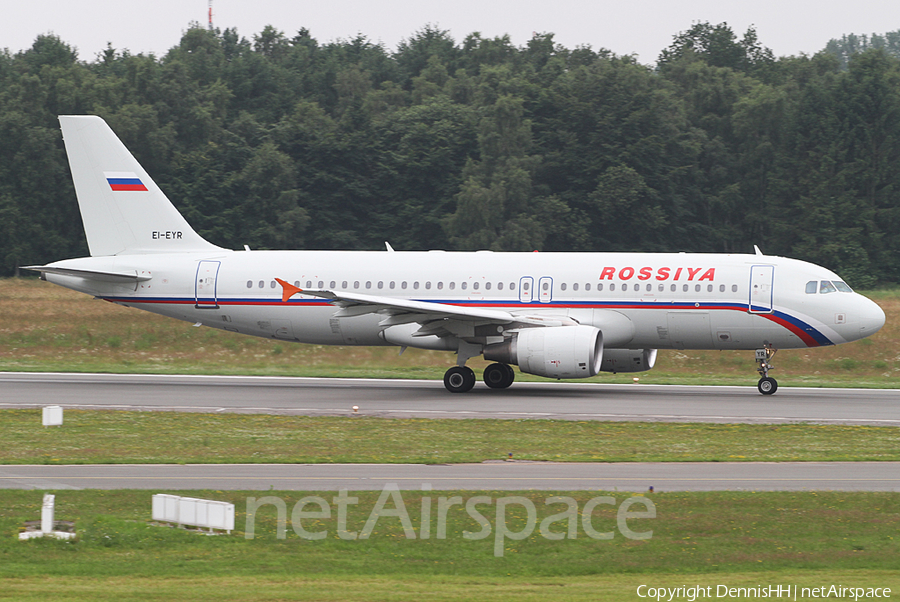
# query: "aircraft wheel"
[[499, 376], [767, 385], [459, 379]]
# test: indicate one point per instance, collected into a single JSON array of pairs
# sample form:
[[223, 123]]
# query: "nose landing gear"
[[766, 385]]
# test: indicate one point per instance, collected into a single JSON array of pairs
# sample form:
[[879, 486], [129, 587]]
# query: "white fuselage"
[[638, 300]]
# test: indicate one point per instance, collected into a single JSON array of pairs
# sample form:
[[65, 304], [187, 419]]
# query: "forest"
[[281, 141]]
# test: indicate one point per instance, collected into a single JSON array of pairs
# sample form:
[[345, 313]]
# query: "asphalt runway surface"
[[429, 399], [548, 476]]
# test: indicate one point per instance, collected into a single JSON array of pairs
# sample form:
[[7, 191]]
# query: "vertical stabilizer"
[[123, 210]]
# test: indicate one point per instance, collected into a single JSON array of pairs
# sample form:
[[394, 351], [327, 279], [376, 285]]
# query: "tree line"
[[286, 142]]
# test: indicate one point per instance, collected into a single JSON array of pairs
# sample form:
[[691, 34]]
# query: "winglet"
[[289, 290]]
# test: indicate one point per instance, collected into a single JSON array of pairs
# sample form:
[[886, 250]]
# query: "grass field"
[[47, 328], [106, 437], [733, 538]]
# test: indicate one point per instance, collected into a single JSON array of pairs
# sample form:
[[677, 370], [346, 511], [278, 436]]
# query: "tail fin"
[[123, 210]]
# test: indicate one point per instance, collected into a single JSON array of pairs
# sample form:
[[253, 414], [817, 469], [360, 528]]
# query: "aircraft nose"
[[871, 317]]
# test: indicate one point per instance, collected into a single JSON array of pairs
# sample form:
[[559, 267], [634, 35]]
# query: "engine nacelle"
[[556, 352], [628, 360]]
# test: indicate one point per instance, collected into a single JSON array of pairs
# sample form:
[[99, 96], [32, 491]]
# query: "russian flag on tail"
[[124, 181]]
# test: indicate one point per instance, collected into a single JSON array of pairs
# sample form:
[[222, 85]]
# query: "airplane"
[[556, 315]]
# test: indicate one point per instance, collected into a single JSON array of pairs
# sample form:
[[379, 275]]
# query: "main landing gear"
[[460, 379], [766, 385], [499, 376]]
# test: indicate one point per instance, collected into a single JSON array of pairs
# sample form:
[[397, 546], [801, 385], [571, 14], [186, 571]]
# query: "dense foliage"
[[284, 142]]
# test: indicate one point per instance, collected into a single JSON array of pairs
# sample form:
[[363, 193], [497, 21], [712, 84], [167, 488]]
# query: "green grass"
[[92, 437], [733, 538], [47, 328]]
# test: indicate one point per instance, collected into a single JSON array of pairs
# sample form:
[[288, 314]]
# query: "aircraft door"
[[762, 279], [526, 286], [545, 292], [205, 285]]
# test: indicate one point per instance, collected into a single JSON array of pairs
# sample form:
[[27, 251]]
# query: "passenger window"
[[368, 284], [685, 288], [842, 286], [733, 288], [391, 285], [332, 284], [416, 285], [637, 287], [575, 287], [249, 284], [308, 284], [546, 286], [721, 288], [428, 285], [487, 286], [403, 285], [321, 284], [344, 284], [587, 287], [674, 287], [709, 288], [499, 286], [512, 286], [697, 288], [451, 286], [272, 284], [562, 286], [811, 287], [381, 284], [649, 287], [662, 287], [261, 284], [826, 287], [356, 284], [612, 286], [525, 285], [440, 285], [475, 285], [463, 285], [297, 283]]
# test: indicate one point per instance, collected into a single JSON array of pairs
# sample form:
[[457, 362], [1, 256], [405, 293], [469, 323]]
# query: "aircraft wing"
[[435, 318]]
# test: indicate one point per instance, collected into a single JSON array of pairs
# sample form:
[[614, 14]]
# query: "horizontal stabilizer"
[[130, 276]]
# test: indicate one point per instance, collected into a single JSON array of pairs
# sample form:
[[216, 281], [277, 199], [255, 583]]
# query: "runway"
[[546, 476], [429, 399]]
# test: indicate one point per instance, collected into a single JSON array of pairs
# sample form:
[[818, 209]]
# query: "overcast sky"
[[642, 27]]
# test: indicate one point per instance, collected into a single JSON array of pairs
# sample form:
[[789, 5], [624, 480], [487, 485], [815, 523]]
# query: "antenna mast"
[[210, 15]]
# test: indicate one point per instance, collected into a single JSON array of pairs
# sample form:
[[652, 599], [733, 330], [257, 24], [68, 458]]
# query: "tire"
[[767, 385], [499, 376], [459, 379], [511, 374]]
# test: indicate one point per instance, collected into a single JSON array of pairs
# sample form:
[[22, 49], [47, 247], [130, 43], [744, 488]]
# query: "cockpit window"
[[842, 286], [811, 287], [826, 287]]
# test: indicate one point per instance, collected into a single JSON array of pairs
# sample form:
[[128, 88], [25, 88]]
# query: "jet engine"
[[628, 360], [556, 352]]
